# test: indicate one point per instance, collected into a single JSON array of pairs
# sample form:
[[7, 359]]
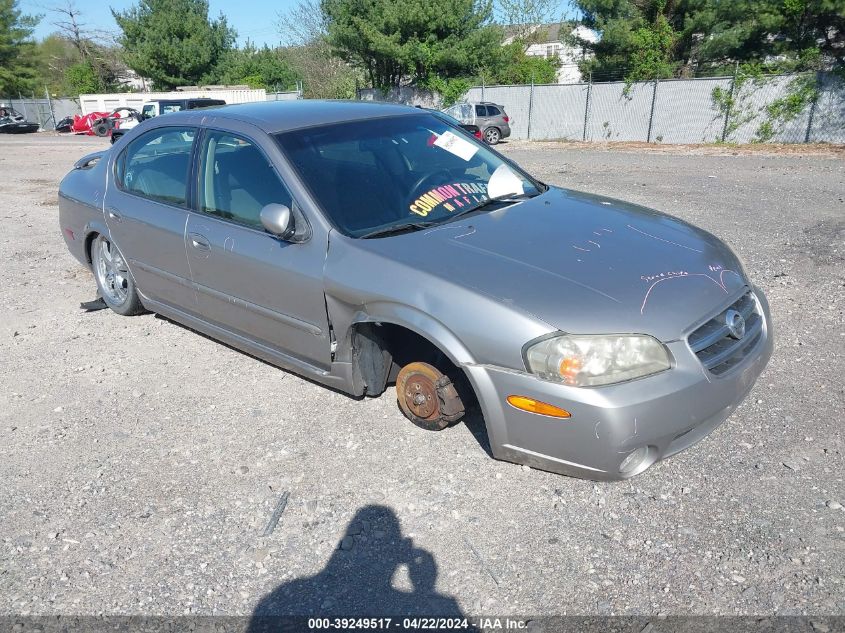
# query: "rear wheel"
[[102, 127], [492, 135], [427, 396], [114, 281]]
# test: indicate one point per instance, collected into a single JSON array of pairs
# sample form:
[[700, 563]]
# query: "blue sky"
[[252, 19]]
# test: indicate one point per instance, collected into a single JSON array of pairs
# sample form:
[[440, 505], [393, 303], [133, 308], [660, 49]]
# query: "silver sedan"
[[363, 245]]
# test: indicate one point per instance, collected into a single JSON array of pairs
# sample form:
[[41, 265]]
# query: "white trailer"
[[108, 102]]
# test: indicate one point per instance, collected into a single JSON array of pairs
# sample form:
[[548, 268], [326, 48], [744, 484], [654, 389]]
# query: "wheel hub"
[[421, 396]]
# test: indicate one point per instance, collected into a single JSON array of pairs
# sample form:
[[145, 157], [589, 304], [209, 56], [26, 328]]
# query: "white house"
[[550, 42]]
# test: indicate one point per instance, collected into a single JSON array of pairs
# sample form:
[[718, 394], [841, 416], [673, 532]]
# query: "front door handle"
[[199, 242], [114, 215]]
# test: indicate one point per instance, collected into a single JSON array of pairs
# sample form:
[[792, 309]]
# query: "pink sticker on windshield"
[[450, 198]]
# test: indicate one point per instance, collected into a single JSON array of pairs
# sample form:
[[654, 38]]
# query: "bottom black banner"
[[481, 624]]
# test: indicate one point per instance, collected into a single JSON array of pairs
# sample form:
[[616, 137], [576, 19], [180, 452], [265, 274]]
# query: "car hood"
[[581, 263]]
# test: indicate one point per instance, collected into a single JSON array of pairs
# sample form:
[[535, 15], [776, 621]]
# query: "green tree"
[[642, 39], [94, 49], [17, 50], [258, 67], [653, 46], [513, 66], [393, 41], [81, 78], [55, 55], [307, 50], [795, 34], [173, 42]]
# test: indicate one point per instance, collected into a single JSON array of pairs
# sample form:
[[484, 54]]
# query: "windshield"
[[400, 171]]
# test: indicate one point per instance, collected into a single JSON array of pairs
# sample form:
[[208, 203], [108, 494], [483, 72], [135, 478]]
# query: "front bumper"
[[664, 413]]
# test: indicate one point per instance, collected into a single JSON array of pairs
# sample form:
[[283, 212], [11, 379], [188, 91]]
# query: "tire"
[[114, 280], [492, 135], [102, 128], [427, 397]]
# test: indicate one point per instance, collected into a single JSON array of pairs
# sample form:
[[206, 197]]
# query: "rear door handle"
[[114, 215], [199, 242]]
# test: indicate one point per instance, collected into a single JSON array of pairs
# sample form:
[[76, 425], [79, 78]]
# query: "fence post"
[[813, 109], [530, 106], [730, 103], [482, 87], [587, 106], [651, 114], [50, 105]]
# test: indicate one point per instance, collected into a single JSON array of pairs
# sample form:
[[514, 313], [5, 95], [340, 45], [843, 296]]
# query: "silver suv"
[[491, 118]]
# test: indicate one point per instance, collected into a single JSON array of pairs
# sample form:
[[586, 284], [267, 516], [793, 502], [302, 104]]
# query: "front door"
[[248, 280], [147, 209]]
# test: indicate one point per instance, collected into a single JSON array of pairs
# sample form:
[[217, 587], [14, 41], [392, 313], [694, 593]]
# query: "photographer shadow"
[[357, 580]]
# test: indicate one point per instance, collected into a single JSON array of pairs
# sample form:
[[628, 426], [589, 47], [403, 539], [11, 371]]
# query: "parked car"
[[490, 118], [96, 123], [157, 107], [473, 130], [363, 244], [13, 122], [122, 118]]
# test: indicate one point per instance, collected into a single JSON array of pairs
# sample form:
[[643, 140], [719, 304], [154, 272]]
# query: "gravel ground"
[[140, 462]]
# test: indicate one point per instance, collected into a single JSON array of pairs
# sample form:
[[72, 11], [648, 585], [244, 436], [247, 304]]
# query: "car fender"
[[412, 319], [93, 228]]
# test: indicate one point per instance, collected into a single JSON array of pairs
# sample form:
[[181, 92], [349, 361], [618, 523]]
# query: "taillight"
[[478, 135], [507, 118]]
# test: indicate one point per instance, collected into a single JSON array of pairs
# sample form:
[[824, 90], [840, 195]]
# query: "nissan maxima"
[[366, 245]]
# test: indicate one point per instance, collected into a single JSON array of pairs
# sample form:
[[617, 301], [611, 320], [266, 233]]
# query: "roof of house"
[[544, 33]]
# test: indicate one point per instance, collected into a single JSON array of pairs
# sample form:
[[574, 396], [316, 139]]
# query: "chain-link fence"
[[45, 112], [797, 108]]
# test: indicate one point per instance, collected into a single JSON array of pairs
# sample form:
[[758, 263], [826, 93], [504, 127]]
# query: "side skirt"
[[339, 377]]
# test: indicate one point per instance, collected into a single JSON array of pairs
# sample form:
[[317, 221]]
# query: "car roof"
[[493, 103], [283, 116]]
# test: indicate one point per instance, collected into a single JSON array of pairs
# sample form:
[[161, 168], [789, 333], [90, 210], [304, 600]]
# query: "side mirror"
[[277, 219]]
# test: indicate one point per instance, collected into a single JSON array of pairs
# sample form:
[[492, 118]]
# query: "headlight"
[[590, 361]]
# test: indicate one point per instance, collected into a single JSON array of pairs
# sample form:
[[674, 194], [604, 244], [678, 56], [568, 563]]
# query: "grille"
[[717, 350]]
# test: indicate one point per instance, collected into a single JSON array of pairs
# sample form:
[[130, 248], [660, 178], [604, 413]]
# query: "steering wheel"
[[429, 180]]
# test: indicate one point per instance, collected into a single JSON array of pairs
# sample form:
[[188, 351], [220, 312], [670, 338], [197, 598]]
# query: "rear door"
[[482, 118], [146, 207], [247, 280]]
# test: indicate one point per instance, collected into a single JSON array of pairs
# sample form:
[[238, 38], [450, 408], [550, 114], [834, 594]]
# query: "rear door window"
[[156, 165]]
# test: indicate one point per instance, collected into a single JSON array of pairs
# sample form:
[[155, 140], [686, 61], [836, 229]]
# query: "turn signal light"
[[524, 403]]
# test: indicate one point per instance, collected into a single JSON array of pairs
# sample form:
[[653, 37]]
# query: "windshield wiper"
[[507, 199], [406, 227]]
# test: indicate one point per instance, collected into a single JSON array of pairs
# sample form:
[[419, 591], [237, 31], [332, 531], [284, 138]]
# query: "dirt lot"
[[141, 462]]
